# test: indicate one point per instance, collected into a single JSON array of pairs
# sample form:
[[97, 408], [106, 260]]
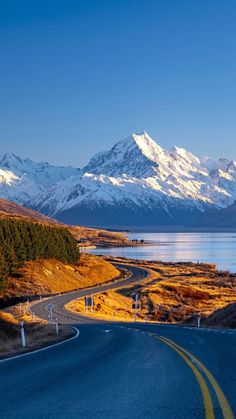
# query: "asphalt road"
[[40, 308], [127, 370]]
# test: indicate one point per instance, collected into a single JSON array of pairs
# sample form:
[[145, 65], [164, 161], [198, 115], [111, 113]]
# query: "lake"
[[217, 248]]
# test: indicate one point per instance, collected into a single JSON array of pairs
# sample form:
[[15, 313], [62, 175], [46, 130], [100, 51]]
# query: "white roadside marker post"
[[199, 321], [22, 332], [135, 305], [57, 327], [50, 306], [135, 311]]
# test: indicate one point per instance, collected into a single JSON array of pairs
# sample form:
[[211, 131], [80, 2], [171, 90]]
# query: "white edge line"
[[42, 349]]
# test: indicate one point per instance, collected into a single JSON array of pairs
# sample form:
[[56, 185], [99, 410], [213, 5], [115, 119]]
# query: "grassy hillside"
[[22, 240], [39, 255], [84, 235], [9, 209], [51, 276], [223, 317]]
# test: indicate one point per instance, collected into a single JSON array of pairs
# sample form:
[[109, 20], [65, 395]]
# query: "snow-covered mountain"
[[137, 182], [22, 180]]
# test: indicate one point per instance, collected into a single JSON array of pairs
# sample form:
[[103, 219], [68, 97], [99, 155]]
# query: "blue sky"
[[76, 76]]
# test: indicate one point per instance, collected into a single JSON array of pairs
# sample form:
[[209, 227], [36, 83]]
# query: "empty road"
[[127, 370]]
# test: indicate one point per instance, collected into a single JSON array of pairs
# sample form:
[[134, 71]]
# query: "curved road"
[[40, 309], [124, 371]]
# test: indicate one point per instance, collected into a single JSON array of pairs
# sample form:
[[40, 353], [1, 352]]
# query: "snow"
[[21, 180], [136, 171]]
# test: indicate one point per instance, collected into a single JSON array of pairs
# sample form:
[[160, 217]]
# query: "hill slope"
[[221, 218], [42, 277], [224, 317], [10, 209], [21, 275]]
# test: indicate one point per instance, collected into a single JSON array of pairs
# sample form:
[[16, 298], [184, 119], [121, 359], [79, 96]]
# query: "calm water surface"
[[218, 248]]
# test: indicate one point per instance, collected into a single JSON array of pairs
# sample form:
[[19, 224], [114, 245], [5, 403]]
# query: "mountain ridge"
[[136, 180]]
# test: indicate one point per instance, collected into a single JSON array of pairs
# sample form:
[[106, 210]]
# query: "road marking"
[[224, 404], [208, 405], [44, 348]]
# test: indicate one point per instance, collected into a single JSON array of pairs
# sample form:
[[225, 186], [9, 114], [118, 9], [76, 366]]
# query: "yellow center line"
[[208, 405], [224, 404]]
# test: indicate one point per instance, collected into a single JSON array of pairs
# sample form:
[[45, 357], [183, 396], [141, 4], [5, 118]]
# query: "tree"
[[3, 269], [25, 240]]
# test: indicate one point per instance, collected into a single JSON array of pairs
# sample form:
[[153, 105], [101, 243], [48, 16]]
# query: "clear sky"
[[78, 75]]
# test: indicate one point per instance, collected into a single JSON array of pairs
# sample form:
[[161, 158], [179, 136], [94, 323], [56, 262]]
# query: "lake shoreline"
[[170, 229], [217, 248]]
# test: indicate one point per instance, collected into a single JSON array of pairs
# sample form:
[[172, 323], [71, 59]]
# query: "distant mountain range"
[[136, 183]]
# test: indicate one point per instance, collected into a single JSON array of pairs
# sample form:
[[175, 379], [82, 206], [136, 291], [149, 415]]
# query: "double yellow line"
[[193, 363]]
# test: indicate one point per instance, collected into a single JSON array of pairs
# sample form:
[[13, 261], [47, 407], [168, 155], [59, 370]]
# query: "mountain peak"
[[184, 154], [147, 145], [136, 180], [7, 158], [135, 156]]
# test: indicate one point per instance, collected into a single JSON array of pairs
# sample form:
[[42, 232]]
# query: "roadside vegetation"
[[38, 333], [173, 292], [44, 277], [21, 241]]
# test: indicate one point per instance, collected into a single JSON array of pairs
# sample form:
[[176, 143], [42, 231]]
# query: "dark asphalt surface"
[[120, 371], [63, 316]]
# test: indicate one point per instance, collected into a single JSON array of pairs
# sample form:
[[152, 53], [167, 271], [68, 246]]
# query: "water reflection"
[[218, 248]]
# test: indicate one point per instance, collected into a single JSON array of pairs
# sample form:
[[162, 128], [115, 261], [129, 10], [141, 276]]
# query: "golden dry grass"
[[37, 333], [172, 292], [108, 305], [52, 276]]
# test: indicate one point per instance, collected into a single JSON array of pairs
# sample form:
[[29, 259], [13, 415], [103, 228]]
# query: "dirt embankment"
[[42, 277], [175, 292]]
